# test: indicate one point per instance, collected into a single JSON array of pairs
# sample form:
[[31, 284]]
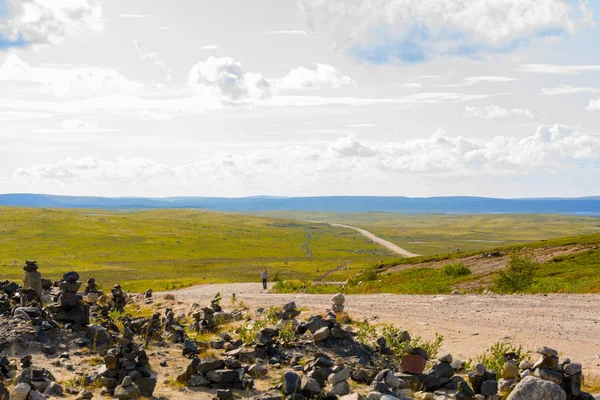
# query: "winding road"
[[387, 244]]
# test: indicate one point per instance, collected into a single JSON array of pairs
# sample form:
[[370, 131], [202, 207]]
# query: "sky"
[[496, 98]]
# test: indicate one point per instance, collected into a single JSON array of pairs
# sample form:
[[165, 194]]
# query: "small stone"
[[321, 334], [546, 351], [341, 388], [446, 358], [573, 369], [338, 299], [342, 375]]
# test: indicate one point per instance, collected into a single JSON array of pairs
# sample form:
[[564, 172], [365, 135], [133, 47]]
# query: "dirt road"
[[389, 245], [469, 323]]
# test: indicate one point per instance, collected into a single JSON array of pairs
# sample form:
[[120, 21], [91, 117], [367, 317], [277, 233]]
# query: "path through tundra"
[[469, 323], [385, 243]]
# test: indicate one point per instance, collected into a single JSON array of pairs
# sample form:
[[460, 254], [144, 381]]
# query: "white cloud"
[[482, 79], [210, 47], [493, 112], [74, 125], [413, 85], [289, 32], [63, 81], [350, 146], [323, 75], [132, 16], [416, 30], [565, 89], [549, 150], [558, 69], [222, 79], [43, 21], [594, 105], [587, 13], [148, 55]]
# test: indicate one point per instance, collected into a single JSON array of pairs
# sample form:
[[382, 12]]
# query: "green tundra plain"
[[168, 249]]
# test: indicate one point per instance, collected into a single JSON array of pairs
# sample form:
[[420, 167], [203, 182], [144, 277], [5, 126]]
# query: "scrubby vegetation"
[[519, 274]]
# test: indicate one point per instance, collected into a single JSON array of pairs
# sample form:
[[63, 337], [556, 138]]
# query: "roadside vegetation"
[[572, 273]]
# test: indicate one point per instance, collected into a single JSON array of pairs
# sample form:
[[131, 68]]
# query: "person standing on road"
[[264, 277]]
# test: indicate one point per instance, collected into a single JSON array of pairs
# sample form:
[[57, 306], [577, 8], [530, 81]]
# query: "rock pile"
[[338, 303], [126, 373], [35, 383], [213, 372], [70, 307], [118, 298], [91, 291], [31, 290]]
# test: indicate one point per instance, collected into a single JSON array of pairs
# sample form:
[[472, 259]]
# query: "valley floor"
[[470, 323]]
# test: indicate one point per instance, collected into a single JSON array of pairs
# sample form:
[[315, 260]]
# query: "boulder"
[[340, 389], [291, 383], [20, 391], [321, 334], [413, 364], [338, 299], [532, 388]]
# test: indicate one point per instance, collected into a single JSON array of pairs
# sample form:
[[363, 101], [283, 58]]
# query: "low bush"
[[457, 269], [518, 276]]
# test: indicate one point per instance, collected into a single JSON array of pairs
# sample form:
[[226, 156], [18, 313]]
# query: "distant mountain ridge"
[[412, 205]]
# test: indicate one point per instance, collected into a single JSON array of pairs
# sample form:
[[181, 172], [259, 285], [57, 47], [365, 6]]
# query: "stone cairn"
[[338, 303], [173, 328], [91, 291], [31, 290], [70, 307], [118, 298], [34, 383], [127, 373]]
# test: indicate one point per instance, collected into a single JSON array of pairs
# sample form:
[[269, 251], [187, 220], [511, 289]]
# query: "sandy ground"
[[376, 239], [469, 323]]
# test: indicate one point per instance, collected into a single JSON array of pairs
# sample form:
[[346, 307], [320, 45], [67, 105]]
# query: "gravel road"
[[469, 323], [389, 245]]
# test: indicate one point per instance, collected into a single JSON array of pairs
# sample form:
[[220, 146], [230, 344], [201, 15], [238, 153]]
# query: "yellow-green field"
[[167, 249], [434, 234]]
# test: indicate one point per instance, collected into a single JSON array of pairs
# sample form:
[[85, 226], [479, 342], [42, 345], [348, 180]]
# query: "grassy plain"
[[166, 249], [573, 273], [435, 234]]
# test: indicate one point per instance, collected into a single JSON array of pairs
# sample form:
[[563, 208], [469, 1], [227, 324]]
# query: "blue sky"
[[300, 97]]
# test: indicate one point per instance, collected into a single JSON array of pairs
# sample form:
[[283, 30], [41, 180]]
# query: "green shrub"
[[457, 269], [518, 276], [493, 358]]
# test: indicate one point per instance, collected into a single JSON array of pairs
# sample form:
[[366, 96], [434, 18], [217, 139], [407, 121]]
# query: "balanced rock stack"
[[118, 298], [39, 380], [91, 291], [32, 284], [127, 374], [338, 303], [483, 381], [174, 329], [70, 308], [560, 379], [339, 379], [215, 373], [386, 382]]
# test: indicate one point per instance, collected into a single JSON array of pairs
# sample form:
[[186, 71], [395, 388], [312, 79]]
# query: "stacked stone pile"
[[40, 380], [70, 307], [118, 299], [91, 291], [126, 373], [31, 290], [216, 373]]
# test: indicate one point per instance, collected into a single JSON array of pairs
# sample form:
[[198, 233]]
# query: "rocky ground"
[[204, 342], [469, 323]]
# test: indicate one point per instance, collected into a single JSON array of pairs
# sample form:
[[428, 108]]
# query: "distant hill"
[[466, 205]]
